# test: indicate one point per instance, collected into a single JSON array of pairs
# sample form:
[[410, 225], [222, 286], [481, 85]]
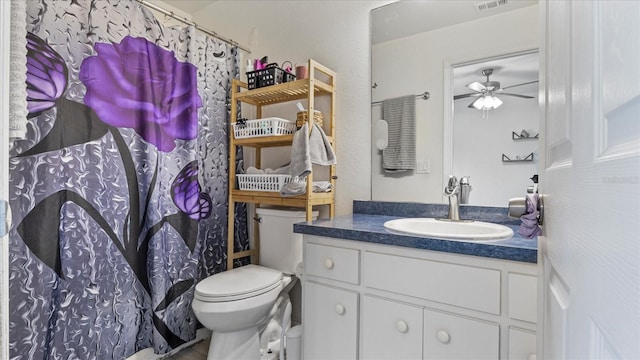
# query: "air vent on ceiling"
[[492, 4]]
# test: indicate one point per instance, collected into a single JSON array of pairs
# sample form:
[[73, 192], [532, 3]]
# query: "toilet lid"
[[239, 283]]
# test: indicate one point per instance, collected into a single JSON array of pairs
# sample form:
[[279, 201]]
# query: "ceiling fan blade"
[[526, 83], [473, 102], [517, 95], [476, 86], [463, 96]]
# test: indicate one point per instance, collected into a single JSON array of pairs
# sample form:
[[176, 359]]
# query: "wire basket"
[[262, 182], [263, 127], [271, 75]]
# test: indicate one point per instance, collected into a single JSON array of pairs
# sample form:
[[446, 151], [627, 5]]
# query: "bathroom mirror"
[[439, 47]]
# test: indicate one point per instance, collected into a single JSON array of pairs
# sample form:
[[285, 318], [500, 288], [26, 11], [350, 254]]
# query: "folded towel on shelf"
[[400, 115], [322, 186], [294, 187], [300, 160], [320, 149], [529, 227], [283, 170], [253, 170]]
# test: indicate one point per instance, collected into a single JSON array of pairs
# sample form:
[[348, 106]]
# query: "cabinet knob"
[[402, 326], [328, 263], [340, 310], [532, 357], [443, 336]]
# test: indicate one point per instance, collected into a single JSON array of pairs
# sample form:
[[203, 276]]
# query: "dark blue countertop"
[[367, 224]]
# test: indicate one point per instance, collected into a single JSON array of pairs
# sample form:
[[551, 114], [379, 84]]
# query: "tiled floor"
[[195, 352]]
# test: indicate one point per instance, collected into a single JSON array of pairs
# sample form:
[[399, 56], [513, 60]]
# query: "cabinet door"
[[522, 344], [330, 323], [390, 330], [448, 336]]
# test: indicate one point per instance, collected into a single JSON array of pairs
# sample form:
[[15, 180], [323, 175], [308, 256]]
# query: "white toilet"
[[233, 303]]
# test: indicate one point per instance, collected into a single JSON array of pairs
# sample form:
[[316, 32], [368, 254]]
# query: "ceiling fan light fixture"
[[493, 102], [479, 103], [487, 102]]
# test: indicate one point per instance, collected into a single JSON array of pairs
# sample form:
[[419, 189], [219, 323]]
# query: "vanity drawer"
[[523, 297], [332, 263], [464, 286]]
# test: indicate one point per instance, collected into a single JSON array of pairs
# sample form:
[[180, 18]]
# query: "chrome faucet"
[[451, 191]]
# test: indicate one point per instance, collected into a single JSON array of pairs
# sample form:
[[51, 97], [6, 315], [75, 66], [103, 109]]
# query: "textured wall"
[[334, 33]]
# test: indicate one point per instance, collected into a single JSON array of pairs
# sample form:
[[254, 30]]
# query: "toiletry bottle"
[[465, 189]]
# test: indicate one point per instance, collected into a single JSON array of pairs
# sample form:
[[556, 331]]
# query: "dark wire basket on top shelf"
[[271, 75]]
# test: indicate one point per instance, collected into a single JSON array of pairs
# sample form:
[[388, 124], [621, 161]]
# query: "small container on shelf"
[[524, 135], [263, 127], [262, 182], [271, 75], [303, 115]]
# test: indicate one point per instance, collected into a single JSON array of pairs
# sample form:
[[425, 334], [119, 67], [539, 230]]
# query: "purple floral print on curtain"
[[119, 189], [139, 85]]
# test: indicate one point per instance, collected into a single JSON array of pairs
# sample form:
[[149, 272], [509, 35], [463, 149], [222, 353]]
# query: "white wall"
[[479, 144], [416, 64], [334, 33]]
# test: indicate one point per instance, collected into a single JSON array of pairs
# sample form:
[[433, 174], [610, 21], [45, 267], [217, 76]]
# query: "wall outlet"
[[424, 167]]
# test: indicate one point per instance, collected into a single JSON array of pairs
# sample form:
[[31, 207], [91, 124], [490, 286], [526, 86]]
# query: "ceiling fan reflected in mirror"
[[485, 92]]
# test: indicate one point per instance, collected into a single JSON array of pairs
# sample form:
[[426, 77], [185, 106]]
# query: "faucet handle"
[[452, 186], [464, 180], [453, 181]]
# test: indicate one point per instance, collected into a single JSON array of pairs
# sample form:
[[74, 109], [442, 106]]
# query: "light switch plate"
[[424, 167]]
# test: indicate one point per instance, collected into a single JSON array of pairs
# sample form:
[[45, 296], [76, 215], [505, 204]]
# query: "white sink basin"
[[455, 230]]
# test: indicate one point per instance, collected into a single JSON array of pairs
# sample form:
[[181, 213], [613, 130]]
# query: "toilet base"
[[237, 345]]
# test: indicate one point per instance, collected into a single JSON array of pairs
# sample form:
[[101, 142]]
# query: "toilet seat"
[[239, 283]]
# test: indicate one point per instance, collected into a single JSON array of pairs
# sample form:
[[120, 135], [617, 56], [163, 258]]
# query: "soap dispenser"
[[465, 189]]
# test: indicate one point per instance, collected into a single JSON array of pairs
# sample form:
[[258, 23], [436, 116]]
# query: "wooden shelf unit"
[[321, 82]]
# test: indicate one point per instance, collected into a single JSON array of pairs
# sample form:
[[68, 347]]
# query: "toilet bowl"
[[233, 304]]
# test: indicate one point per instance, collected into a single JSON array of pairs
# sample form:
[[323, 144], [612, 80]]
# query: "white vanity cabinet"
[[367, 301]]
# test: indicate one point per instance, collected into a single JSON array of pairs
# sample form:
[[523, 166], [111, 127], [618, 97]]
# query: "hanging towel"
[[529, 227], [18, 70], [307, 150], [300, 159], [400, 115], [320, 150]]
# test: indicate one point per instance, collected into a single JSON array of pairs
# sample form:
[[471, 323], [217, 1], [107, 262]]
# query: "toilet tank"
[[280, 248]]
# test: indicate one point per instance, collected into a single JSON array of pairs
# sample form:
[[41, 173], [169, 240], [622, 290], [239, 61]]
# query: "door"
[[590, 248]]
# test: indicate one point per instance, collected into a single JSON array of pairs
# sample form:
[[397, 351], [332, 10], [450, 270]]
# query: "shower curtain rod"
[[189, 22], [424, 96]]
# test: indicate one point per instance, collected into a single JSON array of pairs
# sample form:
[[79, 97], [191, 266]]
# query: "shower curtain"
[[119, 188]]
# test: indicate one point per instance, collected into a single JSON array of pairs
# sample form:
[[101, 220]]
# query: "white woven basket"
[[262, 182], [263, 127]]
